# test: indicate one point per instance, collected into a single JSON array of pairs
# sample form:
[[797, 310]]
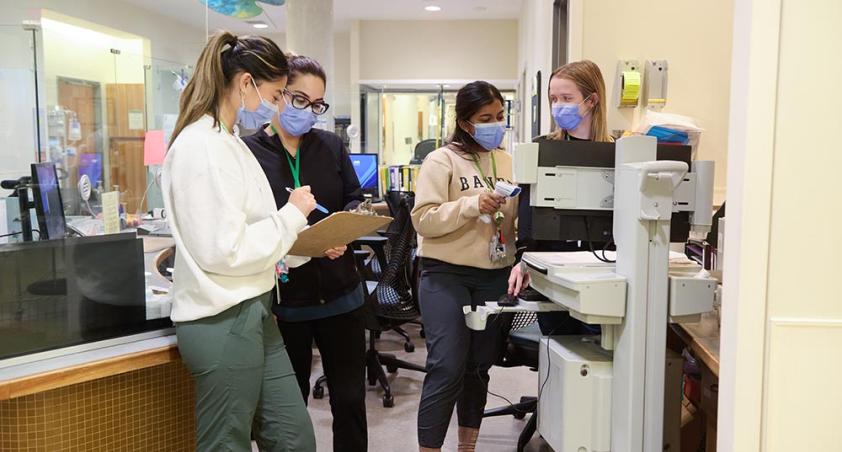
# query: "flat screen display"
[[48, 205], [365, 165]]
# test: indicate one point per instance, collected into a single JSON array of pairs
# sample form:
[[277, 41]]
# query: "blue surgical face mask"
[[254, 119], [297, 122], [489, 135], [567, 116]]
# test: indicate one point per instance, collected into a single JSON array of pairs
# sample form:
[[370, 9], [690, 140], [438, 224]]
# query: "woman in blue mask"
[[464, 260], [230, 237], [577, 102], [319, 301]]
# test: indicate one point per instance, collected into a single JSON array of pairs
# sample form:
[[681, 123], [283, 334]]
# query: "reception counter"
[[127, 392]]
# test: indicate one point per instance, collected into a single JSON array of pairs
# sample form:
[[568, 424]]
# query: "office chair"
[[521, 349], [423, 148], [391, 300]]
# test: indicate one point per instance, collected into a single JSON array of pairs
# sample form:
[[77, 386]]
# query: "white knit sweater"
[[228, 233]]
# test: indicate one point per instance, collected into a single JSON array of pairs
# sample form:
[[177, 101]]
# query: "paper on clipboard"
[[341, 228]]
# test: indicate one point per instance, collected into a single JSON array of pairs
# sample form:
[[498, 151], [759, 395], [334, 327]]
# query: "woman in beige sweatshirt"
[[467, 245]]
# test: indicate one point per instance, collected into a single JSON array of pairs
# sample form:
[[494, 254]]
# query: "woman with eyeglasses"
[[321, 300]]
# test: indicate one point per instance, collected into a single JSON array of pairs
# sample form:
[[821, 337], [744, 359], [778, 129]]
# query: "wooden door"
[[82, 98], [126, 115]]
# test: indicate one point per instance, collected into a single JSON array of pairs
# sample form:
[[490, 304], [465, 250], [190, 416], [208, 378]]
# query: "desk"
[[132, 395], [702, 339], [380, 208]]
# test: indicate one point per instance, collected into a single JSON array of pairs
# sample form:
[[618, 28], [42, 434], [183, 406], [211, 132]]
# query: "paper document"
[[339, 229], [111, 212]]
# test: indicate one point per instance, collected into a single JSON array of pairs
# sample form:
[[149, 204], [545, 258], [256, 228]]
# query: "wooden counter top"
[[81, 373], [703, 339]]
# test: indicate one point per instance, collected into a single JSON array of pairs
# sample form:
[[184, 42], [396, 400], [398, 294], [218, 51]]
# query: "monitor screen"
[[365, 165], [48, 206]]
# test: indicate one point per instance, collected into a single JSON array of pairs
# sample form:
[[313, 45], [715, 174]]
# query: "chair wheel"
[[519, 415], [409, 347], [392, 369], [318, 392], [388, 401], [422, 333]]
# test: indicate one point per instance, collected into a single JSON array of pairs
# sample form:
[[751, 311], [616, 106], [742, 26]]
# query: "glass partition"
[[103, 92], [398, 121], [19, 125], [59, 293]]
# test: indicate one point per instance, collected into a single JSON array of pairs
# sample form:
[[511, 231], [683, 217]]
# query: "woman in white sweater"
[[230, 241]]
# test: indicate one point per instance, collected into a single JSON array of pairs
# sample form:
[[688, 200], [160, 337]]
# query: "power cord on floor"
[[549, 356]]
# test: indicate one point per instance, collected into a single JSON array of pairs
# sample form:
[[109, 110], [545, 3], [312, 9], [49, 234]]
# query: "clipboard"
[[340, 228]]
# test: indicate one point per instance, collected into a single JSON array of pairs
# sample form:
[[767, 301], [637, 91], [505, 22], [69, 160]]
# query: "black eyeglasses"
[[300, 102]]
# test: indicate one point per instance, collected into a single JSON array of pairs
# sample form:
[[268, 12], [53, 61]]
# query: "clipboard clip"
[[364, 208]]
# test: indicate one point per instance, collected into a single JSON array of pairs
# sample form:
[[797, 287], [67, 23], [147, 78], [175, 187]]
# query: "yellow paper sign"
[[631, 87]]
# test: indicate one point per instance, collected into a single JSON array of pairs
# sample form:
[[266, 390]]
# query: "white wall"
[[428, 50], [694, 37], [534, 54], [782, 308], [342, 75], [171, 40]]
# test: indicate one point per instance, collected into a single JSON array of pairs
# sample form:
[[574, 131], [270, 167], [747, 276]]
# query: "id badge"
[[496, 249]]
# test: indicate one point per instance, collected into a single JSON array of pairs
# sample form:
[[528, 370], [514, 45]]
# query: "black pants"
[[458, 358], [341, 342]]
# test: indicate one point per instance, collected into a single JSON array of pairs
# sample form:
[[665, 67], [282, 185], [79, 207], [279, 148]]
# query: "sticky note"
[[631, 87], [111, 212], [153, 147]]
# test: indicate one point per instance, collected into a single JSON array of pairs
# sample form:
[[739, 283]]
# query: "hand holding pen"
[[303, 199]]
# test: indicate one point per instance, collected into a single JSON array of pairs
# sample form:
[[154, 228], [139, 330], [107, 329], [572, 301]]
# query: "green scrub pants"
[[244, 378]]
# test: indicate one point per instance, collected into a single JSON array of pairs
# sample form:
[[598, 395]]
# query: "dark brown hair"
[[302, 65], [224, 56], [469, 100]]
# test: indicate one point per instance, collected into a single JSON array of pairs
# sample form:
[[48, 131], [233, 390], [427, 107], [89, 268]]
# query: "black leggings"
[[341, 342], [458, 358]]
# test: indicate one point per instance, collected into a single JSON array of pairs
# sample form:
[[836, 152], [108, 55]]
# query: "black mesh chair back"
[[521, 341], [394, 292], [423, 148]]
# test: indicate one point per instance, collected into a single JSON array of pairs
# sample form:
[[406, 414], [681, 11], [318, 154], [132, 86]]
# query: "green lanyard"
[[294, 168], [482, 173]]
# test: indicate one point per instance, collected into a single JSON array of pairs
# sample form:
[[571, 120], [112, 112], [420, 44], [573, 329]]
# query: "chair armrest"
[[377, 244], [370, 240]]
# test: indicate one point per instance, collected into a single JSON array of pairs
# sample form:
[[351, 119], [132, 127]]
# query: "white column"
[[356, 113], [310, 32]]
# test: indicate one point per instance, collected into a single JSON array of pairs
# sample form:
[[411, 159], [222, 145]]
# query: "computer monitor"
[[48, 205], [366, 165], [551, 224]]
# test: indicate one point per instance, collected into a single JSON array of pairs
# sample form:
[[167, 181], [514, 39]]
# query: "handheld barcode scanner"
[[503, 189]]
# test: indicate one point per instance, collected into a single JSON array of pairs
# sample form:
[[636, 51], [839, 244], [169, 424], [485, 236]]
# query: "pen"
[[318, 206]]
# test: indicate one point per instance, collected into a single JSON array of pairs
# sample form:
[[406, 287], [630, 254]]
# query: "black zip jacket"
[[326, 167]]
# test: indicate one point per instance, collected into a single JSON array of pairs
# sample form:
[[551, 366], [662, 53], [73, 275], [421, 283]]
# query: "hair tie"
[[230, 45]]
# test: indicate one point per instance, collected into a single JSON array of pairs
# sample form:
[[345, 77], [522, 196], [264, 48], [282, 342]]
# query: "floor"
[[394, 429]]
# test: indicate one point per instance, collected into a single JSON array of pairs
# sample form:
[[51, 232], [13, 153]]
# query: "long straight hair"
[[469, 99], [225, 56], [588, 79]]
